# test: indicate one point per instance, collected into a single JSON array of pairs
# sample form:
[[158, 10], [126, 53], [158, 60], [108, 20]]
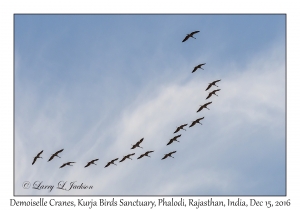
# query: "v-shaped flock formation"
[[137, 144]]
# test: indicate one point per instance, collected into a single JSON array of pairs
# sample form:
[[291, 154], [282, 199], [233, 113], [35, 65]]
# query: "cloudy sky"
[[94, 85]]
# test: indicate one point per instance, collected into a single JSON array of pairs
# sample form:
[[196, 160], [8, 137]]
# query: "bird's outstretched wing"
[[140, 141], [172, 152], [148, 152], [195, 69], [59, 151], [216, 81], [182, 126], [142, 155], [34, 159], [186, 38], [170, 142], [166, 155], [209, 86], [52, 156], [194, 32], [201, 107], [63, 165], [123, 159], [89, 163], [209, 95], [198, 120], [193, 123], [208, 103], [131, 154], [177, 130]]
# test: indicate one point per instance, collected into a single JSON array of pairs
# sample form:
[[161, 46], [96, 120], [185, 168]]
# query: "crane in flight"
[[111, 162], [145, 154], [168, 155], [197, 121], [198, 67], [91, 162], [68, 163], [126, 156], [180, 127], [190, 35], [137, 144], [55, 154], [212, 93], [173, 139], [204, 106], [37, 156], [212, 83]]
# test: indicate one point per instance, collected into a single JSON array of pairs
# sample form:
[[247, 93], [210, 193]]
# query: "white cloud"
[[247, 116]]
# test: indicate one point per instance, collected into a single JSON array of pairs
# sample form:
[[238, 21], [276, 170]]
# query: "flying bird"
[[168, 155], [55, 154], [37, 156], [91, 162], [198, 67], [127, 156], [204, 106], [190, 35], [111, 162], [212, 83], [137, 144], [145, 154], [180, 127], [173, 139], [68, 163], [197, 121], [212, 93]]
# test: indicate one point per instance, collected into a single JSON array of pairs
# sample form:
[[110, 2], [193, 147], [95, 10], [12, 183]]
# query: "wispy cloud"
[[243, 132]]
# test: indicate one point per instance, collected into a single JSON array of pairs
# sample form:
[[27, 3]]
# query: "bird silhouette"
[[204, 106], [197, 121], [145, 154], [68, 163], [91, 162], [212, 83], [111, 162], [126, 156], [37, 156], [212, 93], [190, 35], [55, 154], [180, 127], [173, 139], [168, 155], [198, 67], [137, 144]]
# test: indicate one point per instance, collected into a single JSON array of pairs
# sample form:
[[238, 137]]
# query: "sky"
[[94, 85]]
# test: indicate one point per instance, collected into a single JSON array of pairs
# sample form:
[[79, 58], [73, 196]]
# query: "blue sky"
[[95, 84]]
